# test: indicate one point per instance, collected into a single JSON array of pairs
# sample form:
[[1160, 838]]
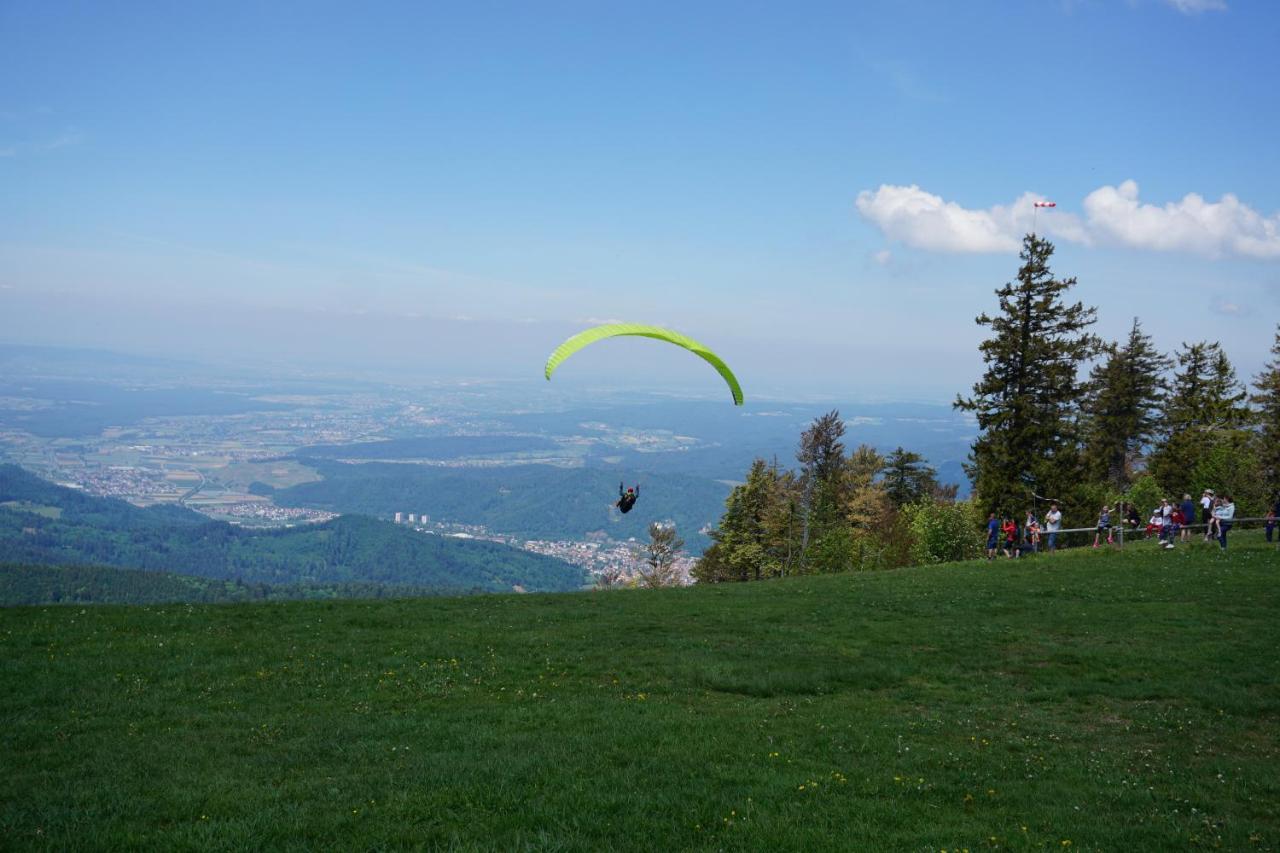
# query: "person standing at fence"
[[1032, 531], [1214, 527], [1270, 526], [1224, 515], [993, 535], [1104, 526], [1206, 512], [1166, 523], [1188, 517], [1052, 524], [1010, 538]]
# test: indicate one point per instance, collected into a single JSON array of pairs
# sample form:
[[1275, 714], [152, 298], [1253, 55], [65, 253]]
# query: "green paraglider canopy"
[[614, 330]]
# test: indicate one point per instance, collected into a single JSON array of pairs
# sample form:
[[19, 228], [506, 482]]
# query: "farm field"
[[1092, 701]]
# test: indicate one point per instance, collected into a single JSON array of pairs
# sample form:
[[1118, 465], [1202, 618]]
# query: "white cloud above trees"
[[1112, 216]]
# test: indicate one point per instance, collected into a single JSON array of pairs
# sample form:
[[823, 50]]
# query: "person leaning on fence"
[[1224, 515], [1052, 524], [1153, 524], [1104, 526], [1166, 524]]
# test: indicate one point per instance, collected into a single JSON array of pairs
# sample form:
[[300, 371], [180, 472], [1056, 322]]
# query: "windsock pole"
[[1035, 212]]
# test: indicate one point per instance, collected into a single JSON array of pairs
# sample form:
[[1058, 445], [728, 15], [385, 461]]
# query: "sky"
[[826, 194]]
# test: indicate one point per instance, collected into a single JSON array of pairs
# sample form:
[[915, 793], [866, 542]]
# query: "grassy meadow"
[[1096, 700]]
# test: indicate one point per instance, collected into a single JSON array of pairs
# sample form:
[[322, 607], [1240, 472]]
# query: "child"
[[1214, 530], [1178, 521], [1104, 525], [1033, 532], [1154, 523]]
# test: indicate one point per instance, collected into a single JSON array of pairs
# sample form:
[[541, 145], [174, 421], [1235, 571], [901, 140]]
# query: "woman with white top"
[[1224, 514]]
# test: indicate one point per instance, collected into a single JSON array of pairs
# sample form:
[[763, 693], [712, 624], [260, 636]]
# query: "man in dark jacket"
[[627, 499]]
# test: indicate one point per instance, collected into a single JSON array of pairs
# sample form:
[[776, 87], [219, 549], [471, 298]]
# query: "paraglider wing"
[[613, 330]]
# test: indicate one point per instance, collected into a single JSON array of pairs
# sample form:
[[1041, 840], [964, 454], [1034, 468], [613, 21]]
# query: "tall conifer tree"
[[907, 478], [1267, 401], [1204, 408], [1122, 407], [1026, 401]]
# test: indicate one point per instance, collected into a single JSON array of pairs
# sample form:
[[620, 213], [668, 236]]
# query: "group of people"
[[1169, 523], [1025, 539]]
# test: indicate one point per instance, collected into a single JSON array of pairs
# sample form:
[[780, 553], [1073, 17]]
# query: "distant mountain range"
[[45, 524]]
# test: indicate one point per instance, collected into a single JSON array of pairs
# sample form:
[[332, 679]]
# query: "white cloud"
[[1195, 7], [926, 221], [1112, 215], [1224, 227], [882, 257]]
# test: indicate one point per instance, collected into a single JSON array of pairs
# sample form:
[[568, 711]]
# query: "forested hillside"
[[45, 524], [21, 584], [534, 501]]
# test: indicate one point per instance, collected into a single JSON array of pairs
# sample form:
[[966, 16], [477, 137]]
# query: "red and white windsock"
[[1045, 204]]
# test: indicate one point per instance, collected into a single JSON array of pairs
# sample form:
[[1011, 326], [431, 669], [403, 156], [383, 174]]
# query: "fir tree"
[[821, 455], [744, 548], [1267, 401], [1204, 408], [1026, 401], [1122, 408], [907, 478]]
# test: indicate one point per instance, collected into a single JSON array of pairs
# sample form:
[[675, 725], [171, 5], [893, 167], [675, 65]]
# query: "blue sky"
[[827, 193]]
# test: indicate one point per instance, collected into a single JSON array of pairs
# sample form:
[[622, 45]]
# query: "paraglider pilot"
[[627, 499]]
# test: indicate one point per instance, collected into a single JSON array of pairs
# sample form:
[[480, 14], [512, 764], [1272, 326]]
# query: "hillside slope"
[[41, 523], [1095, 700], [533, 501]]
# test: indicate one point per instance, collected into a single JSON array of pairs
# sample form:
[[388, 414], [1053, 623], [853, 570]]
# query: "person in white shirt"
[[1052, 524], [1206, 511], [1224, 514]]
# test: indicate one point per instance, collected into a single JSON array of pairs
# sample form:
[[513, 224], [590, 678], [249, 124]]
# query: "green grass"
[[1095, 700]]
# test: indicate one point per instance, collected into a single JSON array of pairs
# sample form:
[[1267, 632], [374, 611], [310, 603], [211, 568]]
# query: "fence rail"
[[1120, 532]]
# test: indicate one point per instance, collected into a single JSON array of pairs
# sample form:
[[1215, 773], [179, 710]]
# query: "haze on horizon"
[[827, 195]]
